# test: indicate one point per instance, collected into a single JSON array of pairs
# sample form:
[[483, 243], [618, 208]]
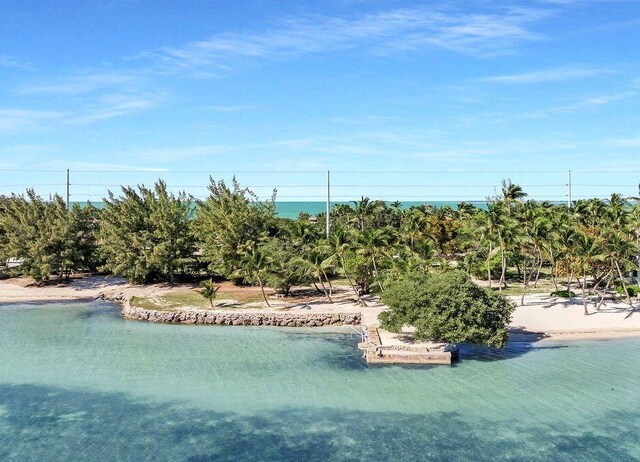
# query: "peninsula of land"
[[541, 318]]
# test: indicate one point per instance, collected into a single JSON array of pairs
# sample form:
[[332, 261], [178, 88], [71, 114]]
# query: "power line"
[[322, 172]]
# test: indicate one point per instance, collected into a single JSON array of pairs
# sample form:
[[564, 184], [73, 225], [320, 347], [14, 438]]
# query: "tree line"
[[151, 234]]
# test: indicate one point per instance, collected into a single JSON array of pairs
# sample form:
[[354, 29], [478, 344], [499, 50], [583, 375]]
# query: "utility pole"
[[328, 217], [68, 195], [569, 190]]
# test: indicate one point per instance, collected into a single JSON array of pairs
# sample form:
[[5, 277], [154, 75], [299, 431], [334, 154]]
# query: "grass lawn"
[[172, 301], [514, 282]]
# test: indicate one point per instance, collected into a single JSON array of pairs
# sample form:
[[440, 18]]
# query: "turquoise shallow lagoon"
[[77, 382]]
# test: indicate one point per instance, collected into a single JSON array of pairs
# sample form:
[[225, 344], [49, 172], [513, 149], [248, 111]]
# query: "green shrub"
[[477, 266], [447, 307], [282, 274], [563, 293], [359, 268], [633, 291]]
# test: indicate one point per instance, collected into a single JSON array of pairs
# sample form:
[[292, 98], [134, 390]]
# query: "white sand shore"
[[19, 290], [542, 318], [559, 319]]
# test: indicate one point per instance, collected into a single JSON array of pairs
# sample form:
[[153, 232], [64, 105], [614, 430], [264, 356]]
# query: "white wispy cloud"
[[239, 108], [103, 108], [392, 31], [179, 153], [23, 119], [31, 148], [626, 94], [105, 166], [625, 142], [405, 144], [86, 96], [79, 98], [15, 63], [547, 75], [477, 35], [588, 102], [80, 84], [583, 2], [362, 120], [113, 105]]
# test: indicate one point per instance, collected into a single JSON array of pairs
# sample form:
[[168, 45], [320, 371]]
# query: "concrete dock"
[[376, 352], [384, 347]]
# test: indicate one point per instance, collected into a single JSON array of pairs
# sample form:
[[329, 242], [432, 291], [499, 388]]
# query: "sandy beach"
[[559, 319], [541, 318]]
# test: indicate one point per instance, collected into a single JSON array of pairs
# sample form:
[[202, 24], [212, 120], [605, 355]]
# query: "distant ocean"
[[291, 209]]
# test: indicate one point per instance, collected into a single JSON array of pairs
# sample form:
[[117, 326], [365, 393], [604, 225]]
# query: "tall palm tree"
[[466, 210], [621, 253], [315, 263], [540, 232], [567, 235], [511, 192], [255, 265], [371, 243], [634, 221], [338, 245], [363, 212], [526, 245], [302, 233], [396, 205], [485, 231], [412, 226], [505, 231], [587, 252]]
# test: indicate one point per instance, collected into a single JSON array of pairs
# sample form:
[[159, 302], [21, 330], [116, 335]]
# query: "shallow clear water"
[[79, 383]]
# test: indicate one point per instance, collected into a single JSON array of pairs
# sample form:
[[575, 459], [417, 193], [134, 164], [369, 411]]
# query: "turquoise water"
[[79, 383], [291, 209]]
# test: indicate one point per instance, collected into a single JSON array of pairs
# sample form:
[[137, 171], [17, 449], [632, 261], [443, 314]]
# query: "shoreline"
[[575, 335], [182, 316], [541, 319], [240, 318]]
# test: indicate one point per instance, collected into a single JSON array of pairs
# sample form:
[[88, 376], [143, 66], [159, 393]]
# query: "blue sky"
[[485, 89]]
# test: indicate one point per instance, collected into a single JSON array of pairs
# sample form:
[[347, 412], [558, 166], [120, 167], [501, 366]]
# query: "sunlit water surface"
[[77, 382]]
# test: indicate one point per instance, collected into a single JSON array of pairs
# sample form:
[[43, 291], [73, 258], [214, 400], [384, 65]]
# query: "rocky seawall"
[[236, 318]]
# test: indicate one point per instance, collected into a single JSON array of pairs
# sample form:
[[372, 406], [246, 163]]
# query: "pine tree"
[[46, 236], [146, 234], [226, 220]]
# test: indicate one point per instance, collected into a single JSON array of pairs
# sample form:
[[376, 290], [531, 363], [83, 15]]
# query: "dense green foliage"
[[226, 221], [50, 239], [150, 234], [447, 307], [282, 275], [145, 235], [633, 291]]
